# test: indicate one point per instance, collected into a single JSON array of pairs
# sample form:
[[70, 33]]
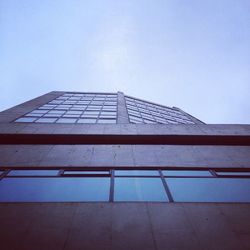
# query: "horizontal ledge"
[[141, 167], [71, 139]]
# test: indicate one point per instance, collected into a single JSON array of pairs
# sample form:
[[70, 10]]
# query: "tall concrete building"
[[110, 171]]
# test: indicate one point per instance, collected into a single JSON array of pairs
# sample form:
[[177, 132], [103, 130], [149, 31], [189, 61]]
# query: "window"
[[153, 113], [163, 185], [54, 189], [70, 107], [210, 189], [139, 189]]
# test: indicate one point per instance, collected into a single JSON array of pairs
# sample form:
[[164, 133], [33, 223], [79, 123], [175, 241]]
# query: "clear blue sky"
[[193, 54]]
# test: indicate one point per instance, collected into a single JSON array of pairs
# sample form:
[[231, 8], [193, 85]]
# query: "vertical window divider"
[[60, 172], [112, 185], [213, 173], [169, 195], [4, 174]]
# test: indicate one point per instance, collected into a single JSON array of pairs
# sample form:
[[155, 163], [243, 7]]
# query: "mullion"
[[112, 186], [164, 182], [213, 173], [4, 174]]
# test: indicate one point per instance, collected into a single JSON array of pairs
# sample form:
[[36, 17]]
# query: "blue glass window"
[[32, 172], [70, 172], [185, 173], [234, 173], [139, 189], [209, 189], [54, 189], [136, 172]]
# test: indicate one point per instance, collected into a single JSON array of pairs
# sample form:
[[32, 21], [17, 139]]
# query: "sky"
[[192, 54]]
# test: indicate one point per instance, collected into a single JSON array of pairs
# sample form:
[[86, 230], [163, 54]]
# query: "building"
[[109, 171]]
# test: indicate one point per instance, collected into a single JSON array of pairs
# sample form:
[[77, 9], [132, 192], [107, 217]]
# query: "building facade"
[[110, 171]]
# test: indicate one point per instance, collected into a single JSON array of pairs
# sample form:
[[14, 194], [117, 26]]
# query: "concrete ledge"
[[110, 139]]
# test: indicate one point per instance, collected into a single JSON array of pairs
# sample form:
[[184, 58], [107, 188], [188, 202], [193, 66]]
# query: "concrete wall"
[[125, 155], [133, 226]]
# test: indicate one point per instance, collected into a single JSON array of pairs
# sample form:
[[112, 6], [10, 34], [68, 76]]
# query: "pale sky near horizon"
[[193, 54]]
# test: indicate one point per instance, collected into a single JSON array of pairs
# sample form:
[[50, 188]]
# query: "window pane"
[[86, 121], [185, 173], [32, 172], [34, 114], [26, 119], [209, 189], [50, 120], [67, 172], [66, 120], [139, 189], [106, 121], [37, 111], [234, 173], [137, 172], [54, 189]]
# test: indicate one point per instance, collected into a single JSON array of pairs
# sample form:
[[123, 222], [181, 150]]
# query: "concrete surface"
[[117, 226]]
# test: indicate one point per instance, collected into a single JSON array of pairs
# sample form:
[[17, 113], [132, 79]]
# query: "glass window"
[[139, 189], [34, 115], [73, 112], [106, 121], [234, 173], [108, 113], [56, 112], [148, 121], [47, 107], [136, 172], [54, 189], [86, 120], [52, 115], [134, 118], [209, 189], [66, 120], [68, 172], [73, 116], [37, 111], [32, 172], [96, 102], [26, 119], [111, 108], [172, 122], [186, 173], [91, 113], [49, 120], [70, 102]]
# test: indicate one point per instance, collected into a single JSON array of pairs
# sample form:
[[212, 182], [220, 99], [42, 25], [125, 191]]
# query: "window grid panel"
[[159, 114], [74, 108]]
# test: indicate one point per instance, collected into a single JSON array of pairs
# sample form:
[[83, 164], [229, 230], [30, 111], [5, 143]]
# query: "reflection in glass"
[[26, 119], [54, 189], [234, 173], [32, 172], [185, 173], [209, 189], [139, 189], [136, 172]]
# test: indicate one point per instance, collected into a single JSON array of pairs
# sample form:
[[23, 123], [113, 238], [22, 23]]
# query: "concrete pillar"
[[122, 113]]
